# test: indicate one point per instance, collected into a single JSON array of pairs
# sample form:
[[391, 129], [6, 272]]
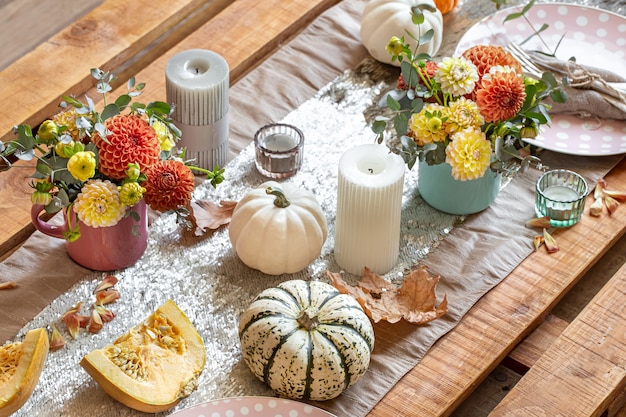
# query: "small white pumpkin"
[[278, 228], [383, 19], [306, 340]]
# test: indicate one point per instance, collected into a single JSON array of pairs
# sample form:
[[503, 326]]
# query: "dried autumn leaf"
[[595, 209], [207, 216], [415, 301], [538, 241]]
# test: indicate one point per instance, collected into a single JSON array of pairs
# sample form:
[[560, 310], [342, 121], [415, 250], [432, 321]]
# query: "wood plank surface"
[[260, 28], [584, 370], [462, 359]]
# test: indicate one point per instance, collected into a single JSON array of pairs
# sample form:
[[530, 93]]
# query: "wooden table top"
[[459, 361]]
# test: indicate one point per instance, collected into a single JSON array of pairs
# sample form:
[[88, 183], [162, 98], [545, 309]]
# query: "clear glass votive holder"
[[278, 150], [561, 195]]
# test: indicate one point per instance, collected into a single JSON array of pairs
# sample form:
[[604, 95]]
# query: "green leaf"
[[110, 111], [559, 96], [401, 124], [379, 126], [159, 107], [393, 104], [123, 100]]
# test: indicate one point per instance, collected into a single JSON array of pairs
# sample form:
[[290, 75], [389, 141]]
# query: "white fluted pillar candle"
[[369, 206], [196, 83]]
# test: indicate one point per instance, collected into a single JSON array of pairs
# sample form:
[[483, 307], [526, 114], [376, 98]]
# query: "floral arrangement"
[[470, 111], [98, 165]]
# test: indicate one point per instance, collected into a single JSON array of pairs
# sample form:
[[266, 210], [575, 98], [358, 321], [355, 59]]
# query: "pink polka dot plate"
[[595, 37], [252, 407]]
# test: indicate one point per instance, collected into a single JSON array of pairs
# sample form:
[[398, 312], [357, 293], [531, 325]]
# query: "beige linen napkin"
[[589, 94]]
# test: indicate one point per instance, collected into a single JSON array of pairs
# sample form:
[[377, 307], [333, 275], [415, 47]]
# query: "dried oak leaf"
[[206, 216], [415, 301]]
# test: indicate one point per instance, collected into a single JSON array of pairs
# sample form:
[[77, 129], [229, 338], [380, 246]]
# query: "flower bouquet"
[[98, 165], [469, 111]]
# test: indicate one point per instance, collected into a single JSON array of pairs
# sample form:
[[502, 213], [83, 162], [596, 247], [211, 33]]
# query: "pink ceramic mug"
[[102, 248]]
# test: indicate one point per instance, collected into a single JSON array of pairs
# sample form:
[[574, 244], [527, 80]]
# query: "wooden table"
[[585, 366]]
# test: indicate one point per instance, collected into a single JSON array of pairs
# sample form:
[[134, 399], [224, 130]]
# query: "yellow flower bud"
[[41, 197], [395, 46], [82, 165], [133, 172], [48, 130], [64, 150]]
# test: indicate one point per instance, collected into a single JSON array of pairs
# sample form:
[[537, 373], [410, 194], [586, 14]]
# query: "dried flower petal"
[[617, 195], [543, 222], [105, 314], [108, 282], [600, 186], [538, 241], [107, 296], [95, 324], [56, 339], [8, 285], [610, 203], [550, 242], [596, 208]]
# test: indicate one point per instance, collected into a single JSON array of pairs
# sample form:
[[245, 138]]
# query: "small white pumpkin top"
[[274, 237], [383, 19]]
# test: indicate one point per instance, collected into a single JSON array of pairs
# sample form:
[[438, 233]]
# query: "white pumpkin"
[[278, 228], [383, 19], [306, 340]]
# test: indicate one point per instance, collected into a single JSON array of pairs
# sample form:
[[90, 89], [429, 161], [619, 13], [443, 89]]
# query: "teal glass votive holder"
[[561, 195]]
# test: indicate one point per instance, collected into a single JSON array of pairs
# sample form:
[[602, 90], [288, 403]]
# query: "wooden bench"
[[583, 371]]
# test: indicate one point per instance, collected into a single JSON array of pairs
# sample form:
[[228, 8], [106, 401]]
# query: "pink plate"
[[252, 407], [595, 37]]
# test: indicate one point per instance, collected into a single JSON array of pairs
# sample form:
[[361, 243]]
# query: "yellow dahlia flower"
[[82, 165], [463, 114], [469, 154], [131, 193], [457, 76], [428, 126], [99, 205], [69, 119]]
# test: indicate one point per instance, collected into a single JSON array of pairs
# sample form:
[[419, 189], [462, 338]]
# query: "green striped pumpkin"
[[306, 340]]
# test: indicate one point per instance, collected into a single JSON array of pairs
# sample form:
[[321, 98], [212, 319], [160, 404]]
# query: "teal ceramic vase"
[[445, 193]]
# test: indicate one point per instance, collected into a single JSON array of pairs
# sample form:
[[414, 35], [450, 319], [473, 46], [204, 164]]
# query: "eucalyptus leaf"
[[110, 110]]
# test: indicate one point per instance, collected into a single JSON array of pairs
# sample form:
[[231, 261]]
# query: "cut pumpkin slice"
[[21, 364], [154, 365]]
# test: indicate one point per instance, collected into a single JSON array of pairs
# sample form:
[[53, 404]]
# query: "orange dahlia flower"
[[130, 139], [487, 56], [501, 96], [169, 185]]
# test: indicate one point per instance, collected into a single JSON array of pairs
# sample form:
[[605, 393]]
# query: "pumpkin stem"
[[308, 319], [281, 199]]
